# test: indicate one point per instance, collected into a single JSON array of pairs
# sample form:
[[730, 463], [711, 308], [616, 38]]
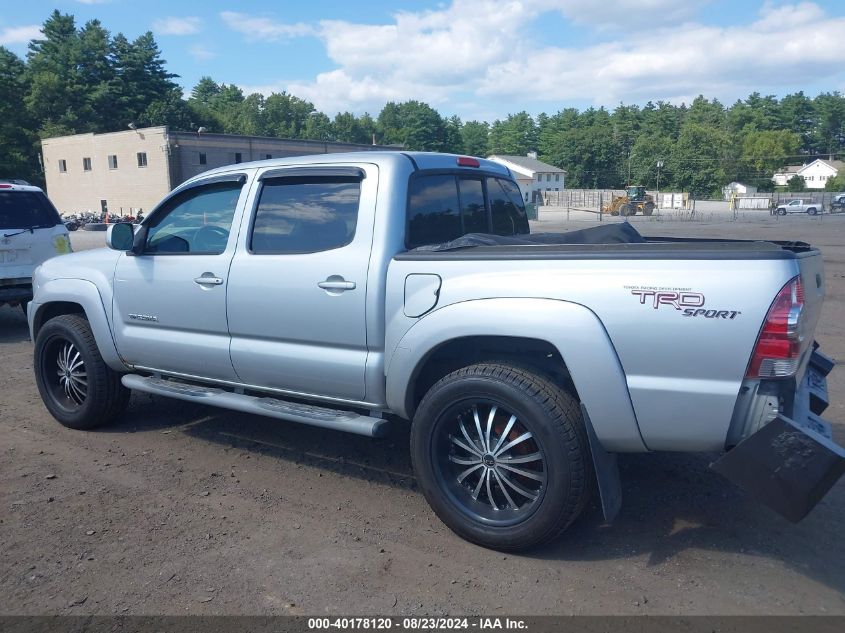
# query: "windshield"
[[26, 210]]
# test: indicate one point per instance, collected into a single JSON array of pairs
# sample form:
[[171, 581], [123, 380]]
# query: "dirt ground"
[[183, 509]]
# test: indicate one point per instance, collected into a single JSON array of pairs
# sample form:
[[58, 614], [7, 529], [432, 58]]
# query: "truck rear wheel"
[[501, 455], [76, 385]]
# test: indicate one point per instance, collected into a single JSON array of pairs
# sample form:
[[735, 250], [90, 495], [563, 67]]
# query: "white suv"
[[31, 231]]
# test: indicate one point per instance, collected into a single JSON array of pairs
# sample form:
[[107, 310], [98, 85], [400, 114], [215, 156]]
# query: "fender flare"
[[85, 294], [574, 330]]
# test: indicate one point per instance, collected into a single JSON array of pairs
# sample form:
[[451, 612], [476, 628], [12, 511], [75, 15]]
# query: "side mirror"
[[120, 237]]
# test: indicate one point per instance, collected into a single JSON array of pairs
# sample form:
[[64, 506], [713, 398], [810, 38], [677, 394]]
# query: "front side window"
[[196, 221], [433, 211], [112, 161], [305, 214], [506, 208]]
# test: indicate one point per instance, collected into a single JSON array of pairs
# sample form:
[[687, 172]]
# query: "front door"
[[298, 285], [170, 300]]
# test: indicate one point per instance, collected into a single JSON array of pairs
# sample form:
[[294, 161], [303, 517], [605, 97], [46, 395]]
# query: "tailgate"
[[811, 270]]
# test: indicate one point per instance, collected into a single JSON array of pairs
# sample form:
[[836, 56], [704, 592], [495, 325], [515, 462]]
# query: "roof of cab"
[[417, 160], [12, 186]]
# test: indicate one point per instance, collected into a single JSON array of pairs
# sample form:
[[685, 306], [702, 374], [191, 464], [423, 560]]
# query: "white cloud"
[[93, 1], [263, 28], [177, 26], [622, 13], [19, 34], [201, 53], [486, 49]]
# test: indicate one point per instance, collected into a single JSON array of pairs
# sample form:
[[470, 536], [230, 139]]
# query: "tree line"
[[84, 79]]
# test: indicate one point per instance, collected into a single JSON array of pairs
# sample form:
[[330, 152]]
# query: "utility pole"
[[657, 201]]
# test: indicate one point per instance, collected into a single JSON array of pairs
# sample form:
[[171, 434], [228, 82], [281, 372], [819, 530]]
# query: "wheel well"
[[537, 355], [52, 310]]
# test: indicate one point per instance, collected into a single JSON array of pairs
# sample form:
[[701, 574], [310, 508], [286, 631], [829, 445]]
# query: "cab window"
[[195, 221], [506, 208]]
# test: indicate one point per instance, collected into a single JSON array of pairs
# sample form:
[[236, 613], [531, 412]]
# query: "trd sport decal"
[[690, 304]]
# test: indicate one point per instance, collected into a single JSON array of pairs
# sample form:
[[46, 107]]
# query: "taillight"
[[778, 348]]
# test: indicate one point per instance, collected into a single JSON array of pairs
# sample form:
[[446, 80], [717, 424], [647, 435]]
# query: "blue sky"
[[480, 58]]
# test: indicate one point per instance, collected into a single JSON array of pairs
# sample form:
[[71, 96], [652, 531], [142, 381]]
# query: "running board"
[[333, 419]]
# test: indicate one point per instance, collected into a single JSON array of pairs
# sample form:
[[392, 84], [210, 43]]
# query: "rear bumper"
[[790, 463]]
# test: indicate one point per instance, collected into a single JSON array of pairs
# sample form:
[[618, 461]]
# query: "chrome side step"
[[334, 419]]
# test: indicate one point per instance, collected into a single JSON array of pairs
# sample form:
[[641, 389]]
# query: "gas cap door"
[[421, 293]]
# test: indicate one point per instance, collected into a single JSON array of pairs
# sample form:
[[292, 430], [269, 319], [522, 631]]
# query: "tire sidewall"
[[52, 332], [427, 420]]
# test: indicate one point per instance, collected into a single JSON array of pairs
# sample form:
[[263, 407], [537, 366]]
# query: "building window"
[[86, 164], [557, 177], [62, 166], [203, 159], [142, 159], [539, 177], [112, 161], [548, 177], [268, 156], [238, 157]]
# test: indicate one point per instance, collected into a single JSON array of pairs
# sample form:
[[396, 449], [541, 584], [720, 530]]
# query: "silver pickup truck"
[[353, 291]]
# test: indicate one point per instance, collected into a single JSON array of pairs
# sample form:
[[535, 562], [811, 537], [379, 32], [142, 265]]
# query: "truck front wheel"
[[76, 385], [501, 455]]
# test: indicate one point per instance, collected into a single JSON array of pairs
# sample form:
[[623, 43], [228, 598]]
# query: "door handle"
[[337, 284], [208, 280]]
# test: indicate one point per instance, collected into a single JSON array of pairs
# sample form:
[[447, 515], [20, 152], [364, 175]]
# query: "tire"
[[812, 210], [627, 209], [76, 385], [555, 455], [648, 208], [781, 211]]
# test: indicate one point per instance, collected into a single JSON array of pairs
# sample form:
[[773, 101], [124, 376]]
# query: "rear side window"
[[506, 208], [433, 210], [306, 214], [26, 210]]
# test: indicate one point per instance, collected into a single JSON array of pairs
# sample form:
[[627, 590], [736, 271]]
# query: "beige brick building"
[[130, 171]]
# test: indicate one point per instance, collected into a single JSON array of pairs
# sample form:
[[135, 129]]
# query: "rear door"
[[298, 283]]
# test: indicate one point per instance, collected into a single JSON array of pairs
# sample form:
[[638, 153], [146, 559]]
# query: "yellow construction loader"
[[635, 200]]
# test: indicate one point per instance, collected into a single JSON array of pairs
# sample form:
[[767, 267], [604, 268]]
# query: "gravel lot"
[[186, 509]]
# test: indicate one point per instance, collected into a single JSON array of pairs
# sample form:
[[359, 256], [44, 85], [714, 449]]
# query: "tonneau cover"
[[617, 233]]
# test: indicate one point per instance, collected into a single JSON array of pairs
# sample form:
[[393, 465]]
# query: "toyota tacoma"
[[354, 291]]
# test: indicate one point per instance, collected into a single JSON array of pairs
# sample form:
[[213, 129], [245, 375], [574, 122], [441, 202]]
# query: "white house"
[[533, 176], [783, 174], [815, 174], [738, 189]]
